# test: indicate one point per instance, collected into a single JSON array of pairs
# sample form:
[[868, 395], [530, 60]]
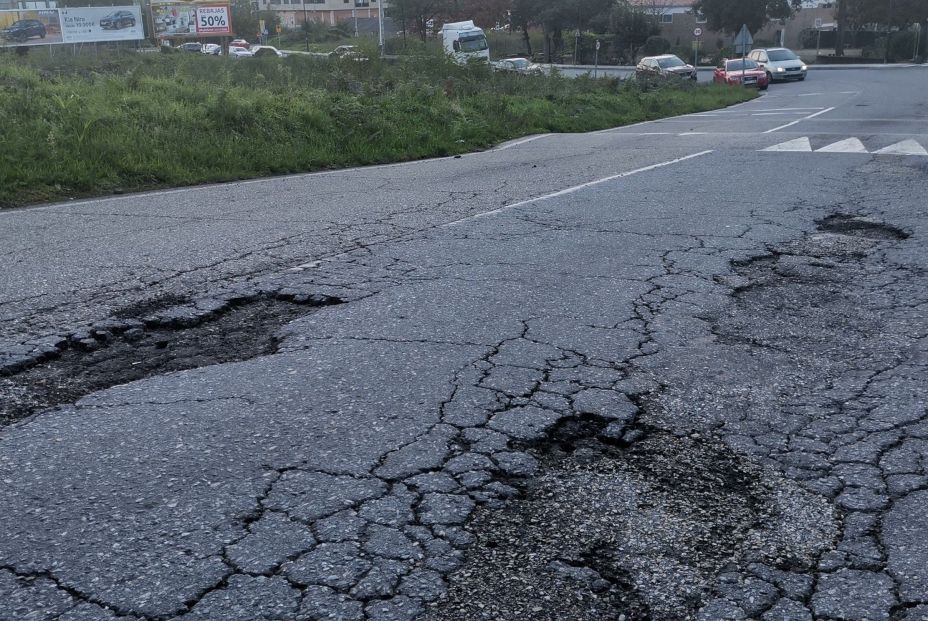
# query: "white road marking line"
[[693, 134], [773, 113], [799, 144], [790, 109], [906, 147], [517, 143], [851, 145], [809, 94], [805, 118], [576, 188], [849, 93]]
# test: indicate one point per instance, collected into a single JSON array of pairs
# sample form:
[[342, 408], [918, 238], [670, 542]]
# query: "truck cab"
[[464, 42]]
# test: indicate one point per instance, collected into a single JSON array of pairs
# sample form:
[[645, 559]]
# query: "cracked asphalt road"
[[688, 382]]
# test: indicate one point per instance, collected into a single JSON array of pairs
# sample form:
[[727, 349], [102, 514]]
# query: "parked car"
[[781, 63], [118, 20], [740, 72], [519, 65], [213, 49], [190, 47], [23, 30], [346, 52], [666, 66], [240, 43], [266, 50], [239, 52]]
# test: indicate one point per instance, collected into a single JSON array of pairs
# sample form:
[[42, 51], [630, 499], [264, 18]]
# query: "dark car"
[[666, 66], [191, 47], [24, 29], [118, 20]]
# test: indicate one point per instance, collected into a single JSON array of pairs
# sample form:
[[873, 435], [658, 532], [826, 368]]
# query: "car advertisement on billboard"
[[30, 27], [71, 25], [184, 19], [104, 23]]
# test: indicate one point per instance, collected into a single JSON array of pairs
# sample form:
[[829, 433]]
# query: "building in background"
[[361, 15]]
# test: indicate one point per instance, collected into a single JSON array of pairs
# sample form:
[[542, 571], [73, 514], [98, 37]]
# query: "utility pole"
[[889, 32], [380, 25], [842, 20]]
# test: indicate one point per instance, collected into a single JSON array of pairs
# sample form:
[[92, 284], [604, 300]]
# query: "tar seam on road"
[[805, 118], [577, 188]]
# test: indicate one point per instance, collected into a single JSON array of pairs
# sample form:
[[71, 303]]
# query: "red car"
[[240, 43], [742, 73]]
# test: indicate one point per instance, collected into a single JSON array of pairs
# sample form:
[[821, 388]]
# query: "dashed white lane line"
[[805, 118], [577, 188]]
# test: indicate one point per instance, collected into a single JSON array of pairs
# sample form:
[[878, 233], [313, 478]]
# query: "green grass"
[[84, 126]]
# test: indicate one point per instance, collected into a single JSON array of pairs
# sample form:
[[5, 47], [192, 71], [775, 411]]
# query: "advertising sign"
[[71, 25], [184, 19], [103, 23], [30, 27]]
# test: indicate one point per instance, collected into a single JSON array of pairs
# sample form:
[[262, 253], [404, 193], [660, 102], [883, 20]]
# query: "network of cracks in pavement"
[[768, 468]]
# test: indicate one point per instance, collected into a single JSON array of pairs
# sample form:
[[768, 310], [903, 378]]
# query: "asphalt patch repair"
[[152, 338]]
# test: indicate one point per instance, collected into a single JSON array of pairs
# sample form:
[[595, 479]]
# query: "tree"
[[631, 25], [418, 13], [729, 15]]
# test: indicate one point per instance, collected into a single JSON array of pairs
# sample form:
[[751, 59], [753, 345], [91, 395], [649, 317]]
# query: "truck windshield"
[[473, 43]]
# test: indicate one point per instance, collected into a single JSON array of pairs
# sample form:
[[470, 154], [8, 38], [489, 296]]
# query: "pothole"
[[636, 530], [856, 226], [164, 339]]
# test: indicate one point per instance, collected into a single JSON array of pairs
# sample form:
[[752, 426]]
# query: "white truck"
[[464, 41]]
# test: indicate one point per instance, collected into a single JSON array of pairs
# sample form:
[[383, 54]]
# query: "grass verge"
[[79, 126]]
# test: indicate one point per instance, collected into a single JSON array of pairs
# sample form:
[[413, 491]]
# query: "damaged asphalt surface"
[[694, 391]]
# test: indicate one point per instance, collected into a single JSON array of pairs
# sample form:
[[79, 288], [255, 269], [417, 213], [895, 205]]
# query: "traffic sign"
[[818, 23], [597, 44], [743, 41], [697, 32]]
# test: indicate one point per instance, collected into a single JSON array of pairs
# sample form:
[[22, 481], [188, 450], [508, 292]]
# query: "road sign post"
[[743, 43], [596, 60], [696, 33]]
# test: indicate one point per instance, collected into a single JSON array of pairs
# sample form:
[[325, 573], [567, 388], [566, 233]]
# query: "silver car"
[[781, 63]]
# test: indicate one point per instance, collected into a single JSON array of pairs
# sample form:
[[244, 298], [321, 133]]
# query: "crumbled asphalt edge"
[[151, 338], [484, 459]]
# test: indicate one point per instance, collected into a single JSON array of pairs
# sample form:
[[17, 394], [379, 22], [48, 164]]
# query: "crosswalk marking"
[[851, 145], [906, 147], [799, 144]]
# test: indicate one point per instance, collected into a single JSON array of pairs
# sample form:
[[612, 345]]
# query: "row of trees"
[[633, 21], [630, 21]]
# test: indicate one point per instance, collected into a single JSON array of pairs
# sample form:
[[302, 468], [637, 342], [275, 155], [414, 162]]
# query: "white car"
[[213, 49], [519, 65], [266, 50], [781, 63], [239, 52]]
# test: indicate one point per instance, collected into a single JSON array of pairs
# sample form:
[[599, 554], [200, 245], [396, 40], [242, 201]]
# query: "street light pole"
[[305, 26], [380, 24]]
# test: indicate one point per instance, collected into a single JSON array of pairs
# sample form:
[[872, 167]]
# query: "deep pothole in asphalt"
[[857, 226], [627, 530], [236, 331]]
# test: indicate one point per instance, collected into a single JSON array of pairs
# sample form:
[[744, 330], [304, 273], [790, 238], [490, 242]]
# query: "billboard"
[[186, 19], [71, 25], [30, 27], [104, 23]]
